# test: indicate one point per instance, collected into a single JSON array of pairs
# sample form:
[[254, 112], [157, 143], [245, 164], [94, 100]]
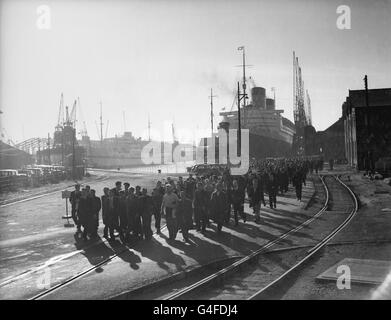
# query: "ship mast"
[[244, 94], [211, 110], [239, 149]]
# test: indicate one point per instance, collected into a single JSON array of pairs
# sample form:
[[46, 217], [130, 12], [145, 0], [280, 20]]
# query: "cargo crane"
[[308, 109], [60, 120], [301, 108], [83, 132], [72, 115], [298, 94]]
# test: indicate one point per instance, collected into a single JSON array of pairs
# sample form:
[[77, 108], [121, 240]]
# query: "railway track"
[[164, 293], [238, 268], [11, 202], [81, 274], [255, 276]]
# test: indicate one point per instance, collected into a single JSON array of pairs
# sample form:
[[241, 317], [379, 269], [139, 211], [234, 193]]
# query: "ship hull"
[[261, 147], [112, 162]]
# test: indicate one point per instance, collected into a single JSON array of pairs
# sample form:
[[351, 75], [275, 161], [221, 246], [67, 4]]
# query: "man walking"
[[169, 205], [219, 203], [237, 201], [256, 195], [200, 205], [74, 199]]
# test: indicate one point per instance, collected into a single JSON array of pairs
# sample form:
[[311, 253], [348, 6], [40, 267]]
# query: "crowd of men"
[[186, 204]]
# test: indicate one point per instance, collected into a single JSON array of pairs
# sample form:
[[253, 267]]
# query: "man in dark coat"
[[169, 206], [85, 212], [94, 219], [157, 198], [106, 213], [297, 182], [116, 205], [256, 196], [146, 214], [218, 203], [74, 200], [236, 196], [132, 211], [272, 189], [200, 205], [190, 186], [137, 226], [123, 216], [185, 215]]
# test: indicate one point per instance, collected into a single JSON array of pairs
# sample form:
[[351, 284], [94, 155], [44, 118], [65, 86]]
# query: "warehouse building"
[[367, 127]]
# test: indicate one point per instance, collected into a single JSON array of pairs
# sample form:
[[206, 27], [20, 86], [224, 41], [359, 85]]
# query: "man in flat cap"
[[74, 199], [116, 205], [123, 216]]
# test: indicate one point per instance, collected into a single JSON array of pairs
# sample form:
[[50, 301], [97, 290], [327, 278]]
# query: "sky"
[[161, 58]]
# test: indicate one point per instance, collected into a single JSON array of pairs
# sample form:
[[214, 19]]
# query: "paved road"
[[38, 240], [33, 232]]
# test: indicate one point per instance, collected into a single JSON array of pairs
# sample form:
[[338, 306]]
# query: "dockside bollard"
[[66, 195]]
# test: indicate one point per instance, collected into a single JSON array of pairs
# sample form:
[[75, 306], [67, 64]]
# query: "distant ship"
[[117, 152], [122, 151], [271, 135]]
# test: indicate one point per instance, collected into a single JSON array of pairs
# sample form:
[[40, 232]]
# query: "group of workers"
[[186, 204]]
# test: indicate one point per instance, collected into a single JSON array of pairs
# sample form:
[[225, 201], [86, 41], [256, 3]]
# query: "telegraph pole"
[[62, 146], [211, 109], [239, 124], [244, 86], [244, 77], [73, 153], [366, 91], [49, 149]]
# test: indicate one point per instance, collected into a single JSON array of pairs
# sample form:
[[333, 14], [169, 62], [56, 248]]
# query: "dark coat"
[[146, 204], [236, 197], [219, 206], [272, 185], [116, 202], [185, 214], [85, 211], [74, 198], [201, 199], [157, 198], [255, 195], [106, 213]]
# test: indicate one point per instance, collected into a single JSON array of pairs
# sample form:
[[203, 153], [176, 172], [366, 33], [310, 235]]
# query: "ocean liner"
[[270, 134]]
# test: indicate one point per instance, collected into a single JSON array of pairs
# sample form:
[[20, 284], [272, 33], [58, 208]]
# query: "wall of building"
[[367, 129]]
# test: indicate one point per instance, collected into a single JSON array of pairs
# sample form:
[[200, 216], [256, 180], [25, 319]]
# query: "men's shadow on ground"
[[236, 243], [97, 251], [202, 251], [124, 252], [270, 221], [162, 255], [256, 231]]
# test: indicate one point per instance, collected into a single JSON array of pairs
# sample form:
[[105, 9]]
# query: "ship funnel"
[[258, 97], [270, 104]]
